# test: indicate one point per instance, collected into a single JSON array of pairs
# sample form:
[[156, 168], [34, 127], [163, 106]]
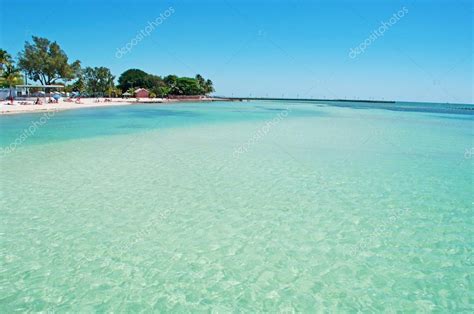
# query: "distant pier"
[[307, 99]]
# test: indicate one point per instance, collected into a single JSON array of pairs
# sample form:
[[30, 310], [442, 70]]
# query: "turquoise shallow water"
[[253, 207]]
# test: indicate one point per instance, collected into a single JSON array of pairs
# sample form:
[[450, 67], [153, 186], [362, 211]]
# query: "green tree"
[[201, 81], [156, 85], [79, 85], [171, 82], [187, 86], [153, 82], [133, 78], [206, 86], [10, 74], [46, 62], [113, 91], [209, 87], [169, 85], [161, 91], [5, 58], [98, 80]]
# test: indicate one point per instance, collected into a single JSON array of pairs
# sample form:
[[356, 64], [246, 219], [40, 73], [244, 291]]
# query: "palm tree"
[[10, 76], [209, 87], [202, 83], [5, 59]]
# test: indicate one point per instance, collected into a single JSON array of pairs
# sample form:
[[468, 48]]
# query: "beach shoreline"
[[18, 108]]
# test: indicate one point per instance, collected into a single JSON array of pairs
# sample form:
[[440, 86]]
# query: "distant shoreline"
[[19, 108], [311, 99], [343, 100]]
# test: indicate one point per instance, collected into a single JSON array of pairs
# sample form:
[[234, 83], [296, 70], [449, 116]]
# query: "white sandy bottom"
[[308, 218]]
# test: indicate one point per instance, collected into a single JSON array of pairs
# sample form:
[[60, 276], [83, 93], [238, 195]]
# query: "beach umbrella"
[[56, 96]]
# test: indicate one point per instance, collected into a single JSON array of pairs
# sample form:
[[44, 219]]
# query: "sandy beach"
[[22, 106]]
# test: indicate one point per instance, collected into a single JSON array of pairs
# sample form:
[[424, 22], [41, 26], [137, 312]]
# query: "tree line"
[[45, 62]]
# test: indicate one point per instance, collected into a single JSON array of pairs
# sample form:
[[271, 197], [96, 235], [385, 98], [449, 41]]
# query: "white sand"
[[17, 107]]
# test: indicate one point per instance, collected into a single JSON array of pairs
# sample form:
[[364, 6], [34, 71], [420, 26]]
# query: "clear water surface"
[[254, 207]]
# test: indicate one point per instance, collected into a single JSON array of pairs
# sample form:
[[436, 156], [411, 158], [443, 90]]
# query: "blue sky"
[[268, 48]]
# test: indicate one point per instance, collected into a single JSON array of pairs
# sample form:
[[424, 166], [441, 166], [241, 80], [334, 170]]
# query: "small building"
[[141, 93]]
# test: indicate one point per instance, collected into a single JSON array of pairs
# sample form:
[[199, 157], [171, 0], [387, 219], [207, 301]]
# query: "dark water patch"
[[466, 117], [270, 109], [153, 113], [406, 107]]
